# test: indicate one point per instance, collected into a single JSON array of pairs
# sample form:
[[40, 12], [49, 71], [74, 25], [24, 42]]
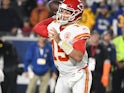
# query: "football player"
[[69, 47]]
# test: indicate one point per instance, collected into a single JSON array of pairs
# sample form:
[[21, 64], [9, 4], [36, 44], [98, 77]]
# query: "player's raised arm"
[[41, 27]]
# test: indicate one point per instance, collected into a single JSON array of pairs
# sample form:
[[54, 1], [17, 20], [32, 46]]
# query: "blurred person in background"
[[118, 74], [97, 59], [29, 6], [109, 47], [103, 21], [26, 29], [11, 68], [39, 56], [39, 13], [114, 5], [53, 6], [9, 19], [119, 19], [90, 2], [88, 17], [19, 5]]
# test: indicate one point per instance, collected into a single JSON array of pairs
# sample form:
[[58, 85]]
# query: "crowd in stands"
[[105, 18], [24, 14]]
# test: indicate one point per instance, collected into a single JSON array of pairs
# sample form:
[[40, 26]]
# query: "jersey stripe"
[[81, 36], [86, 81]]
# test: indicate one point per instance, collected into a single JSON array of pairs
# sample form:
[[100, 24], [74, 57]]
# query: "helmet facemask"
[[69, 16]]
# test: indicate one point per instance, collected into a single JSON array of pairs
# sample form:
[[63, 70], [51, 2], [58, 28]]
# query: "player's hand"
[[26, 74], [54, 75], [53, 34]]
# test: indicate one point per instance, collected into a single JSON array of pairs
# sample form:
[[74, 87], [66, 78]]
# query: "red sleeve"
[[80, 45], [41, 27]]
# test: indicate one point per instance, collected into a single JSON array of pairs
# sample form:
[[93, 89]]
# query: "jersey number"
[[121, 20], [58, 53]]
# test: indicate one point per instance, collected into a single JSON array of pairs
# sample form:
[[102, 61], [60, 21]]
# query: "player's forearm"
[[69, 50]]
